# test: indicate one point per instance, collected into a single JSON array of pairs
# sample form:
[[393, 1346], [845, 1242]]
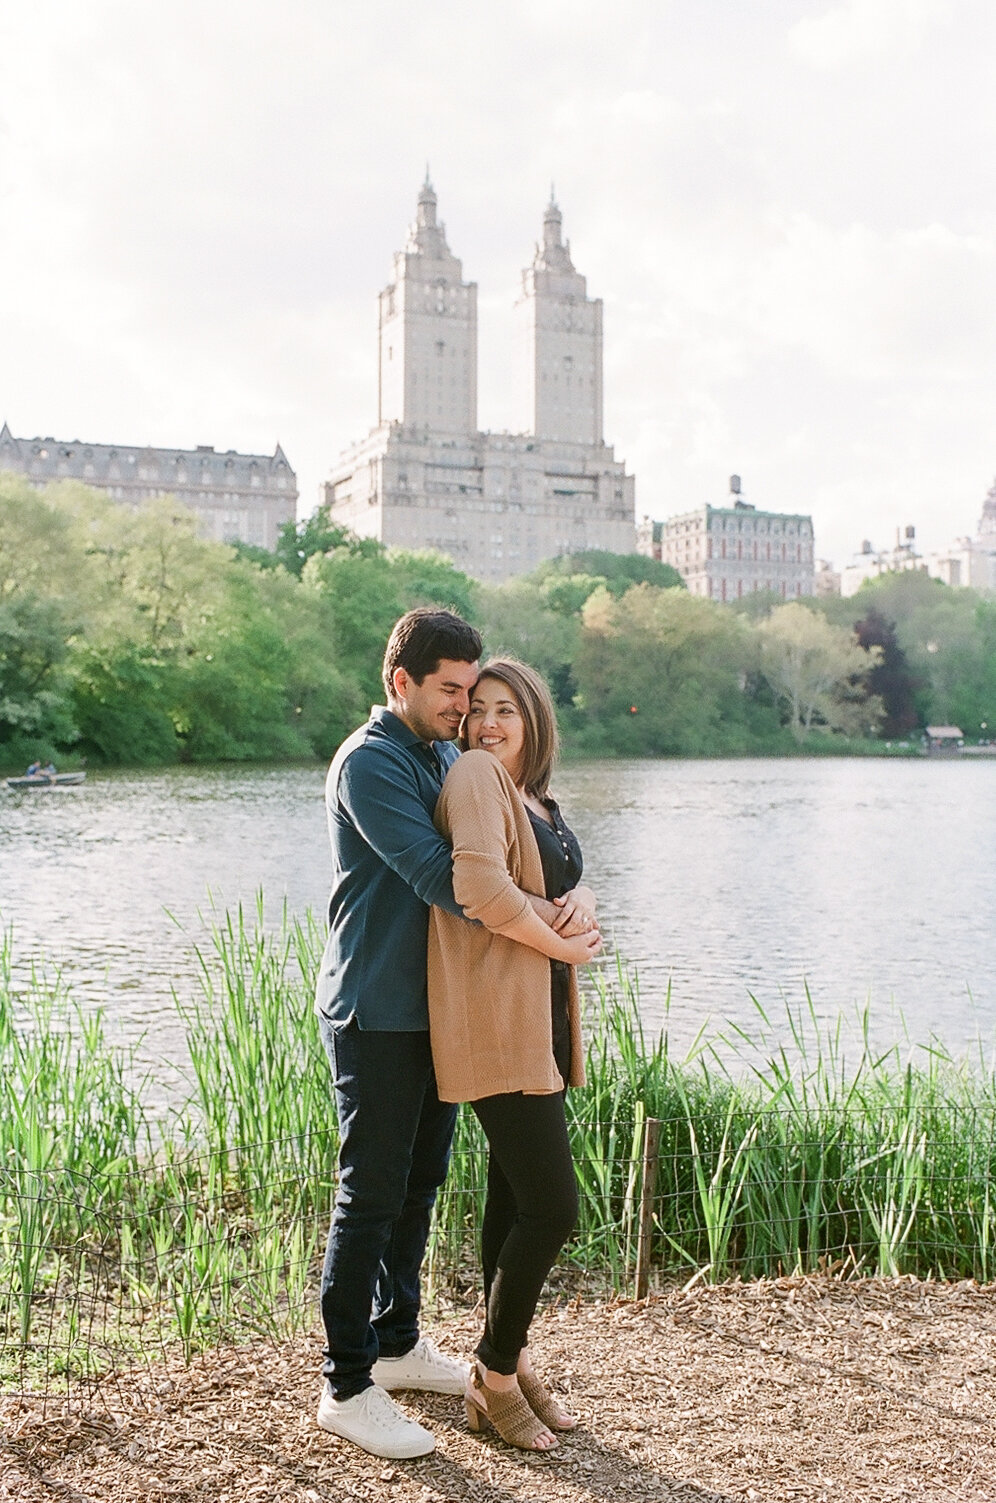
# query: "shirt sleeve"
[[382, 798], [476, 812]]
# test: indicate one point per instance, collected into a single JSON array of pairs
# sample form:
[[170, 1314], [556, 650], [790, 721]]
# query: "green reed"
[[124, 1232]]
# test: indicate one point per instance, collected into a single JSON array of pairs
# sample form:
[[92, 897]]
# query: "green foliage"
[[118, 700], [299, 541], [758, 604], [946, 640], [177, 648], [617, 571], [128, 639], [34, 704], [365, 588], [519, 620], [818, 672], [120, 1231], [662, 672], [890, 679]]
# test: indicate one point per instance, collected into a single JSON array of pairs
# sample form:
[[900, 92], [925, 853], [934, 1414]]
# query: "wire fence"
[[102, 1273]]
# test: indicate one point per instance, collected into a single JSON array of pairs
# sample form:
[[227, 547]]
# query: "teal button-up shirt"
[[389, 864]]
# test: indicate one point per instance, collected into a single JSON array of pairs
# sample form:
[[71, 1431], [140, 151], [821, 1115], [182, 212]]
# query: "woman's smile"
[[495, 724]]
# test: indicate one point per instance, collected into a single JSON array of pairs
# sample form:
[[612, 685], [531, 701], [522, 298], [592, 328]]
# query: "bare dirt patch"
[[793, 1389]]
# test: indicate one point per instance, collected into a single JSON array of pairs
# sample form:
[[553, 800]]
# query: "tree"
[[617, 571], [35, 704], [662, 672], [972, 672], [890, 679], [757, 604], [365, 589], [818, 671], [299, 541], [516, 619], [39, 552]]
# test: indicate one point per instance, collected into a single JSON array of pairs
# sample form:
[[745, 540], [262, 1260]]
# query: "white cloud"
[[860, 29], [878, 306]]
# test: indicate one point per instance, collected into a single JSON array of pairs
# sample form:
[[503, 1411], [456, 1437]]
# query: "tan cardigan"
[[489, 997]]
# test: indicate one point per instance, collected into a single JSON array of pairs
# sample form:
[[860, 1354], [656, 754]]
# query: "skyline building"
[[726, 552], [427, 477], [427, 333], [971, 560], [237, 498], [559, 331]]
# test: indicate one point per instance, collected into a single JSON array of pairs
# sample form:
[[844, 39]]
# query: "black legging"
[[532, 1206]]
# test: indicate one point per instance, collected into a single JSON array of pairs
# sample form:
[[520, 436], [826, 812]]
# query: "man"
[[388, 866]]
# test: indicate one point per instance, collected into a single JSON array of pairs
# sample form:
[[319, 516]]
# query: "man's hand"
[[578, 919]]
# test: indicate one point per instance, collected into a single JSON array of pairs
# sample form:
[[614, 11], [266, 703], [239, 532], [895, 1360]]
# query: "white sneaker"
[[373, 1421], [425, 1368]]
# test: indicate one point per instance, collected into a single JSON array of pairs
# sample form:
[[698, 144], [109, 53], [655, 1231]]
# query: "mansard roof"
[[58, 457]]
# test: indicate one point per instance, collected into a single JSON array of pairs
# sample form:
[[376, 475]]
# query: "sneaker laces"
[[424, 1351], [381, 1410]]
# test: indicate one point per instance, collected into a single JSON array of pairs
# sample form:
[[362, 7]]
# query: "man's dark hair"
[[422, 638]]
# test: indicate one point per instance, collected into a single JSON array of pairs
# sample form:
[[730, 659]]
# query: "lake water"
[[867, 881]]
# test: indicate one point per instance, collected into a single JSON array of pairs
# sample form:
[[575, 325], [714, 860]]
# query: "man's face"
[[434, 708]]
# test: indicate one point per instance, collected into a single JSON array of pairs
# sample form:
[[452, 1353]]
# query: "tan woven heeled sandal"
[[507, 1412], [543, 1404]]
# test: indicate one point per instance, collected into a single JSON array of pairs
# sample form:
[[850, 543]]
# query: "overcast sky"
[[788, 207]]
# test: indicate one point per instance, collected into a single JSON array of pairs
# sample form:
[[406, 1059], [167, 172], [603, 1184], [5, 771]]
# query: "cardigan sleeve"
[[475, 812]]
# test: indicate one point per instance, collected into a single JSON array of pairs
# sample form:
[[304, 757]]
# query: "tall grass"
[[123, 1232]]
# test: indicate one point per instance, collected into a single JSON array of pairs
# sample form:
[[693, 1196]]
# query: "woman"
[[504, 1022]]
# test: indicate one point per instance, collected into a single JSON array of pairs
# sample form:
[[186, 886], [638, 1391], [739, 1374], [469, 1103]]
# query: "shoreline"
[[573, 756]]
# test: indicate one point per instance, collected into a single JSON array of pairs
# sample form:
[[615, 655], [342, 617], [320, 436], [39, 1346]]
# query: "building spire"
[[553, 254], [987, 521], [428, 236]]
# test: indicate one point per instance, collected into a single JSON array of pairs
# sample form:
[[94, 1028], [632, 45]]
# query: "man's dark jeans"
[[395, 1147]]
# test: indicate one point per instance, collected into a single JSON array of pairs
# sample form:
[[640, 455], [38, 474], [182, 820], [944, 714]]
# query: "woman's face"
[[495, 724]]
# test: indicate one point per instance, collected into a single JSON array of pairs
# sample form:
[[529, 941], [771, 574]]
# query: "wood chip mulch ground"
[[794, 1389]]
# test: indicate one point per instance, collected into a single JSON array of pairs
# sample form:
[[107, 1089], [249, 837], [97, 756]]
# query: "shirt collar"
[[393, 726]]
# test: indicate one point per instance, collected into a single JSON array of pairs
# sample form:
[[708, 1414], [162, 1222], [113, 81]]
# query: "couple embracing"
[[455, 924]]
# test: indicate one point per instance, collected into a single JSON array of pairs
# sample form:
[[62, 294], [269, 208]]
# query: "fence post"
[[648, 1184]]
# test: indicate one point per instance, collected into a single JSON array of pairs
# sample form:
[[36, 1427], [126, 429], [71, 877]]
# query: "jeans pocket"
[[337, 1037]]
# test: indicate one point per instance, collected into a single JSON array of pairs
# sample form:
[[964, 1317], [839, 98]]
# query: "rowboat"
[[47, 780]]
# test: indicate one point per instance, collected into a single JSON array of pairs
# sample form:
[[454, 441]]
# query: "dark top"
[[559, 851], [563, 864], [389, 863]]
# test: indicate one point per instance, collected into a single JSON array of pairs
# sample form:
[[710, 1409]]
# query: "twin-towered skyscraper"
[[427, 477]]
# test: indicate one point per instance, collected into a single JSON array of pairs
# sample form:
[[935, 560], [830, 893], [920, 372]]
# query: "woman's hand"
[[582, 948], [577, 913]]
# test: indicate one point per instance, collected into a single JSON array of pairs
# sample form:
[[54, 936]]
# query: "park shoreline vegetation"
[[127, 641], [127, 1231]]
